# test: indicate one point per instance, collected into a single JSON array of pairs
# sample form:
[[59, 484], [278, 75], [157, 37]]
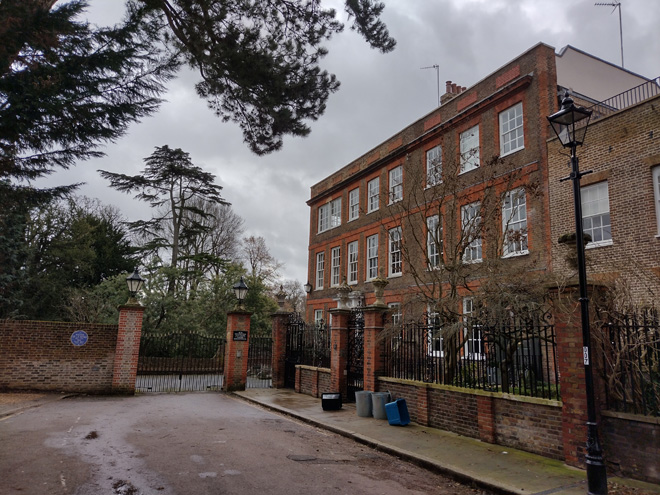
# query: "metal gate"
[[260, 362], [355, 358], [180, 362], [295, 334]]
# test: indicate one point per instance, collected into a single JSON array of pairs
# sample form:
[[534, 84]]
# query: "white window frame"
[[395, 262], [435, 337], [396, 184], [320, 270], [354, 204], [329, 215], [434, 166], [434, 246], [514, 224], [335, 266], [396, 317], [512, 134], [469, 147], [474, 338], [471, 221], [656, 195], [372, 257], [335, 213], [352, 264], [373, 195], [595, 201], [318, 318]]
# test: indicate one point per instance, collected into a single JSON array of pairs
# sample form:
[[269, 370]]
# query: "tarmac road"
[[206, 443]]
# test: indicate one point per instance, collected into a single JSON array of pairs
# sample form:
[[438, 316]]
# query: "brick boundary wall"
[[532, 425], [632, 445], [311, 380], [39, 355]]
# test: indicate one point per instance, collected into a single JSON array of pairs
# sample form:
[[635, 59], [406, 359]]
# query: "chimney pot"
[[448, 88], [453, 88]]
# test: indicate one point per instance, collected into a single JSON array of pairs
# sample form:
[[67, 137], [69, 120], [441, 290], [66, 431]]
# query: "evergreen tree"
[[174, 187], [67, 87]]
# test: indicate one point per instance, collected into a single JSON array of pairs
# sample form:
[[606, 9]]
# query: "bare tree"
[[261, 264], [464, 235]]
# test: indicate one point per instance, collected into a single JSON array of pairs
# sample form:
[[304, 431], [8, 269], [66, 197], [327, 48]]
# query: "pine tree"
[[67, 87], [173, 186]]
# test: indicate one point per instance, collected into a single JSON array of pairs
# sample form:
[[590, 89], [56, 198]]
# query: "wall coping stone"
[[631, 417], [313, 368], [471, 391]]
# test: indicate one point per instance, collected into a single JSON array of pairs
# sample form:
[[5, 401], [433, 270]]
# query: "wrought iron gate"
[[260, 362], [355, 358], [180, 362], [295, 333]]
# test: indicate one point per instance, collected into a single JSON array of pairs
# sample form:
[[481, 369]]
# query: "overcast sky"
[[379, 95]]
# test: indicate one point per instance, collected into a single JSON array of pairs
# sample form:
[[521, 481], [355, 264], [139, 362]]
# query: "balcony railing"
[[626, 99]]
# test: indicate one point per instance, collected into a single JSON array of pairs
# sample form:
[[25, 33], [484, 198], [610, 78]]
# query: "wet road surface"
[[197, 444]]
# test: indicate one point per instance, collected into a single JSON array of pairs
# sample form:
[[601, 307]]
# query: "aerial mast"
[[616, 5], [437, 76]]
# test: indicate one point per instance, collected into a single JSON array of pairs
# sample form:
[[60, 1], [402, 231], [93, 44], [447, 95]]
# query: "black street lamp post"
[[570, 124]]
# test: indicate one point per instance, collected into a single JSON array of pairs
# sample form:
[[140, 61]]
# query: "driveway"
[[197, 444]]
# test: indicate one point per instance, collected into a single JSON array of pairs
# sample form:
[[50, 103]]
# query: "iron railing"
[[260, 362], [308, 343], [626, 99], [631, 362], [515, 355]]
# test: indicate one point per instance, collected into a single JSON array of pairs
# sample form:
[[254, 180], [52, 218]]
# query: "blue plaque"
[[79, 337]]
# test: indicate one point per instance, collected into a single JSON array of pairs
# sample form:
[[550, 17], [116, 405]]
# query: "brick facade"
[[529, 80], [39, 355], [622, 150]]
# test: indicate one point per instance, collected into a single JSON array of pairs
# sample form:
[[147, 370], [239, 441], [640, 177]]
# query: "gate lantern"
[[240, 289], [135, 283]]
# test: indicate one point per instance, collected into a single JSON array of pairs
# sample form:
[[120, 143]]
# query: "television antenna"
[[616, 5], [437, 76]]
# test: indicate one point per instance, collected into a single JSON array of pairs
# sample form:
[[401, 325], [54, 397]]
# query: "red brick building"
[[459, 195]]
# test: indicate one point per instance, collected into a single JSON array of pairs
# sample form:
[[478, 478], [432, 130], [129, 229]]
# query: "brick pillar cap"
[[132, 306], [240, 312], [338, 311]]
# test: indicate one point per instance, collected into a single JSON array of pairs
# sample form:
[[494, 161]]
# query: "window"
[[372, 257], [395, 314], [318, 318], [320, 267], [514, 223], [596, 214], [354, 204], [330, 215], [511, 130], [471, 221], [470, 149], [373, 189], [396, 335], [434, 166], [396, 184], [395, 252], [474, 344], [335, 261], [352, 262], [656, 194], [435, 337], [434, 241]]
